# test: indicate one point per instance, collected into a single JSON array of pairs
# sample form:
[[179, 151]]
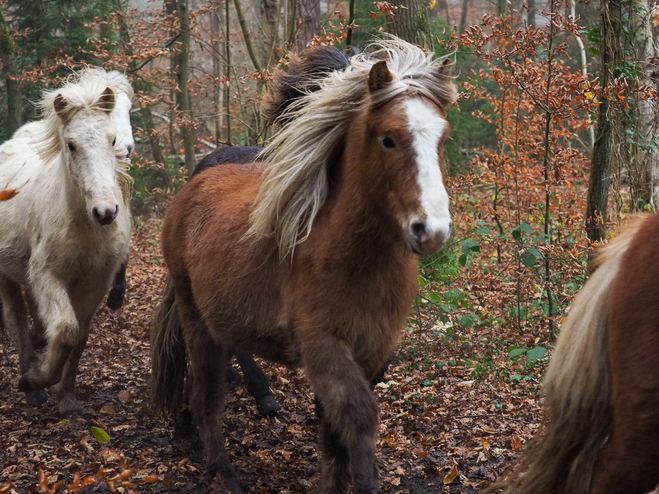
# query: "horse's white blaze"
[[93, 163], [428, 127]]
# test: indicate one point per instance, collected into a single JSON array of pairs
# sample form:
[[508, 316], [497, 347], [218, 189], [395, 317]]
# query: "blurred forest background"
[[553, 139]]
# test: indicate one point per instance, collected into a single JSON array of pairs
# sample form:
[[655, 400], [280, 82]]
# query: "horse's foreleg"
[[62, 331], [257, 385], [65, 389], [208, 363], [350, 421]]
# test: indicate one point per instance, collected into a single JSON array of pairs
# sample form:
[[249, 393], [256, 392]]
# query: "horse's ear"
[[379, 76], [62, 107], [445, 69], [107, 100]]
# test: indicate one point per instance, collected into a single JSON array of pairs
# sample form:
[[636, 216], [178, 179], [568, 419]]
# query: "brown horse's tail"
[[561, 458], [168, 355]]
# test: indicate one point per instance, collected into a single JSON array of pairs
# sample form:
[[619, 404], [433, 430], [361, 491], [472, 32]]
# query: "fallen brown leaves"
[[441, 430]]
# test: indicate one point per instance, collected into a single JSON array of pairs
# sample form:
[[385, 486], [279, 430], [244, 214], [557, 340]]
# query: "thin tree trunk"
[[145, 111], [584, 66], [463, 15], [246, 36], [530, 13], [227, 70], [600, 165], [647, 157], [309, 16], [182, 95], [217, 73], [271, 19], [412, 23], [10, 70]]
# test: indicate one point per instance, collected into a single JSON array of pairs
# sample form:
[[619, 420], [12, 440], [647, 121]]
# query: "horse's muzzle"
[[424, 240], [105, 215]]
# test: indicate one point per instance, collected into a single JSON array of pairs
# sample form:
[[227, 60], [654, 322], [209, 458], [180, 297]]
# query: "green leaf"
[[536, 353], [467, 321], [100, 435], [528, 259], [526, 228], [517, 351], [516, 378]]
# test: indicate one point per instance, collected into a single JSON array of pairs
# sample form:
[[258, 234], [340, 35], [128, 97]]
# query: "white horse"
[[65, 234]]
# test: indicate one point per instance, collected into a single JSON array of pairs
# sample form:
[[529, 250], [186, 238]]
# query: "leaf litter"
[[441, 430]]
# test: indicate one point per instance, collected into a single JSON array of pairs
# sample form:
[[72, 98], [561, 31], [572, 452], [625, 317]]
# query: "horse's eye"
[[388, 142], [114, 141], [72, 147]]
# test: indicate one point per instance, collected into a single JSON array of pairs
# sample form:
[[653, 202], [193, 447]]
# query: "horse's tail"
[[561, 458], [168, 355]]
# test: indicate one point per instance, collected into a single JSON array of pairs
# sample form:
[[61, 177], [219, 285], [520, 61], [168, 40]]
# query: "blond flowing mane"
[[83, 89], [294, 184]]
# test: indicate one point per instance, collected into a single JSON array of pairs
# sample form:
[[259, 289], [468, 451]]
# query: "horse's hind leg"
[[350, 421], [118, 291], [15, 315], [257, 385], [208, 363]]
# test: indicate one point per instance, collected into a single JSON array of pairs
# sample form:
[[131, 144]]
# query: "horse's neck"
[[356, 220]]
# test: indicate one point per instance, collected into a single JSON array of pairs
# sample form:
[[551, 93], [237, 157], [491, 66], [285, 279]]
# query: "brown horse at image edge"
[[309, 258], [600, 432]]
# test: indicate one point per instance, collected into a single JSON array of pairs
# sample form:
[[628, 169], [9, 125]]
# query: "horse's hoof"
[[267, 406], [70, 414], [69, 407], [24, 384], [36, 398], [232, 486], [115, 299]]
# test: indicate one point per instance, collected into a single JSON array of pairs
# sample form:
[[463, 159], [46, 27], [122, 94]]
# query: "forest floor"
[[448, 422]]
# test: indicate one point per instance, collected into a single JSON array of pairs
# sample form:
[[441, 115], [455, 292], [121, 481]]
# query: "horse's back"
[[236, 282]]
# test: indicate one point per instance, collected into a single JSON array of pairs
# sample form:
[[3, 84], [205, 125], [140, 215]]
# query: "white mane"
[[294, 184]]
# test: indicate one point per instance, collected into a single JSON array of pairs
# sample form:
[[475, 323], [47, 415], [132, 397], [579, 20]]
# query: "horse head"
[[402, 140], [87, 139]]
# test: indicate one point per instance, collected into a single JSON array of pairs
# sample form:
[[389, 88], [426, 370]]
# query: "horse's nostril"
[[419, 231], [105, 216]]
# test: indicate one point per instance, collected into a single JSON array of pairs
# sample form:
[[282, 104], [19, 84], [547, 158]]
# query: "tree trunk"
[[181, 61], [217, 73], [647, 156], [10, 71], [463, 15], [271, 19], [413, 23], [530, 13], [227, 71], [600, 165], [145, 111], [308, 14]]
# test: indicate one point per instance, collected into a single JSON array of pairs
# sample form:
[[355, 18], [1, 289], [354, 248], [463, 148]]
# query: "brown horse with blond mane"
[[309, 258], [600, 433]]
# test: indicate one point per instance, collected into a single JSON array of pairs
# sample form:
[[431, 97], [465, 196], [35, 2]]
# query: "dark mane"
[[302, 76]]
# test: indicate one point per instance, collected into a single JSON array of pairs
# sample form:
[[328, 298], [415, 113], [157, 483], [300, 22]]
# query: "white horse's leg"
[[65, 389], [62, 331], [16, 321]]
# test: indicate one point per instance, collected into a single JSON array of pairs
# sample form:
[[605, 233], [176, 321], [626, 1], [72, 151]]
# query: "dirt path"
[[440, 431]]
